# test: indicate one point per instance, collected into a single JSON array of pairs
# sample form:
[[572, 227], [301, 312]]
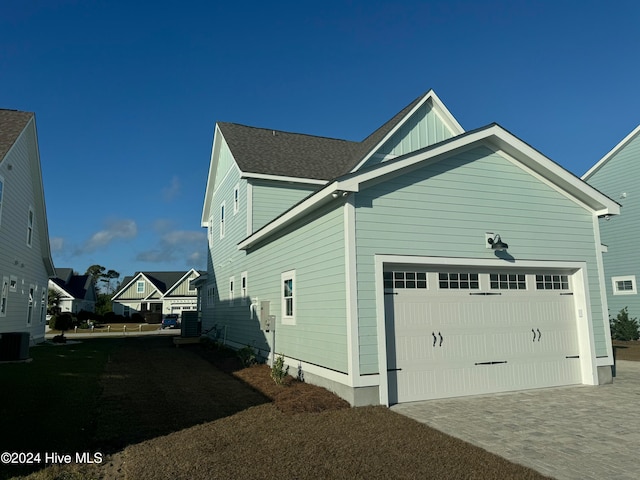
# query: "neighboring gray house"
[[77, 292], [617, 175], [422, 262], [156, 292], [25, 255]]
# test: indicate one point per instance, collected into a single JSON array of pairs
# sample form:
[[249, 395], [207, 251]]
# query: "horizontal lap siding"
[[18, 196], [271, 200], [315, 250], [620, 233], [445, 209]]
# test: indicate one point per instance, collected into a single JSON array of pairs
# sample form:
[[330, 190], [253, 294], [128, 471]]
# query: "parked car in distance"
[[170, 321]]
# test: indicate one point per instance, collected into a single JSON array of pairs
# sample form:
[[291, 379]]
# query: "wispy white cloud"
[[174, 245], [116, 229], [173, 190], [57, 244]]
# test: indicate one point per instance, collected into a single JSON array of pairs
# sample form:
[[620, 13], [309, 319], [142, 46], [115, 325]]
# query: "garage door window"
[[405, 280], [511, 281], [552, 282], [464, 281]]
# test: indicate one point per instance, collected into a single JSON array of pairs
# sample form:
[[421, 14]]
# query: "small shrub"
[[84, 315], [623, 327], [63, 322], [137, 318], [247, 356], [278, 371]]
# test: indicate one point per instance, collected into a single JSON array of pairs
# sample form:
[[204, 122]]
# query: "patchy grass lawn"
[[166, 412]]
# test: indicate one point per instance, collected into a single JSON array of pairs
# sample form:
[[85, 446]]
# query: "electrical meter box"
[[267, 321]]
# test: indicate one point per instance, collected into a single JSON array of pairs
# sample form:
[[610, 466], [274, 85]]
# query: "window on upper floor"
[[1, 196], [30, 304], [243, 288], [231, 289], [30, 226], [222, 219], [236, 199], [624, 285], [140, 287]]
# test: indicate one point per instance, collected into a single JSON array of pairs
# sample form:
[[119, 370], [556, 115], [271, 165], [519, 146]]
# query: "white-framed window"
[[43, 305], [4, 297], [231, 289], [236, 199], [140, 286], [30, 305], [211, 224], [552, 282], [508, 281], [624, 285], [244, 287], [210, 295], [458, 281], [222, 219], [126, 311], [13, 283], [30, 216], [402, 279], [1, 196], [289, 303]]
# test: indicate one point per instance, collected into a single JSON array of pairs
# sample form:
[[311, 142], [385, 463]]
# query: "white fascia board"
[[310, 203], [282, 178], [59, 289], [122, 289], [211, 177], [439, 107], [611, 153], [522, 152]]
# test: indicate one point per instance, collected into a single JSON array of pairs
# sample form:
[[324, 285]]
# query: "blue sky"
[[127, 93]]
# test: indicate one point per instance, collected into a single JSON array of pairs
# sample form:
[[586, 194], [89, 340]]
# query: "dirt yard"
[[191, 413]]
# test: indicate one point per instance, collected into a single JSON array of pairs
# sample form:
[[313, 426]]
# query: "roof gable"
[[12, 123], [161, 282], [493, 135], [626, 141]]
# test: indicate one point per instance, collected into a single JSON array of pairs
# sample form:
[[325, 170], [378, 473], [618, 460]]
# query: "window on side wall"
[[624, 285], [140, 287], [236, 199], [30, 227], [30, 305], [244, 288], [4, 297], [1, 196], [43, 305], [289, 303], [231, 291], [222, 220]]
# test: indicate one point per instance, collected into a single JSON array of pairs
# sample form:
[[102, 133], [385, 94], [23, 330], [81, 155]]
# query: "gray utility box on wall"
[[267, 321], [14, 346]]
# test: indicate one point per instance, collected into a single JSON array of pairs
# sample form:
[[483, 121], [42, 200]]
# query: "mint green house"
[[422, 262], [616, 175]]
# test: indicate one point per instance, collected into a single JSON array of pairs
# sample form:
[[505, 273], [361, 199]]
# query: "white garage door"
[[456, 332]]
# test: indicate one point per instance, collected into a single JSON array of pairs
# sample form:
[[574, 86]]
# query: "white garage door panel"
[[444, 343]]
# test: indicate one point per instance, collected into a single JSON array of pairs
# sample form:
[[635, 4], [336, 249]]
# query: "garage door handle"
[[440, 335], [539, 334], [534, 334]]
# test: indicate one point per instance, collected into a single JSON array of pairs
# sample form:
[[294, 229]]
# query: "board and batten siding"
[[423, 128], [618, 179], [271, 199], [18, 260], [445, 209], [182, 290]]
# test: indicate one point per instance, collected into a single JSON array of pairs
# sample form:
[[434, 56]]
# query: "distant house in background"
[[617, 175], [77, 292], [25, 254], [156, 292]]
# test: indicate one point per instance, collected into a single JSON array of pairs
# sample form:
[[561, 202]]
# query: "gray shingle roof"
[[273, 152], [12, 123]]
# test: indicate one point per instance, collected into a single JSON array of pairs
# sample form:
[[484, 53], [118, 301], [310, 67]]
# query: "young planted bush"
[[279, 371], [247, 356], [623, 327]]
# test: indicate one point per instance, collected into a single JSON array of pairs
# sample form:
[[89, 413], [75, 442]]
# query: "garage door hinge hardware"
[[534, 334], [490, 363], [390, 293], [393, 369], [435, 339], [485, 293], [572, 356], [567, 293]]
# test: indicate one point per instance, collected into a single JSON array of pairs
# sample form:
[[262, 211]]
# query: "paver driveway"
[[580, 432]]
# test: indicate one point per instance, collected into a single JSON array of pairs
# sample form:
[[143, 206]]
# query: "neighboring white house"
[[25, 255], [156, 292], [77, 292], [422, 262]]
